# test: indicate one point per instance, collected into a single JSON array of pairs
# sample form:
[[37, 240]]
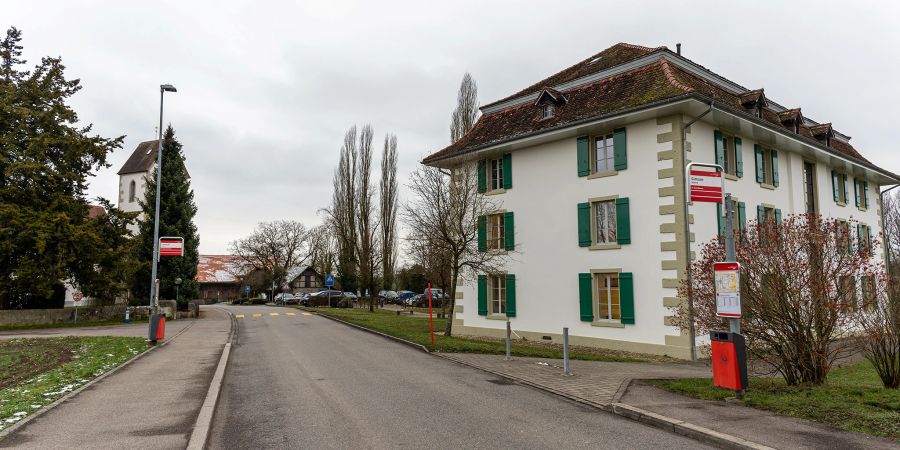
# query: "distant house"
[[301, 280], [134, 176], [219, 277]]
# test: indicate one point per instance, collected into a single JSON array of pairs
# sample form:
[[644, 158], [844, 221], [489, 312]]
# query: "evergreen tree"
[[176, 218], [45, 159]]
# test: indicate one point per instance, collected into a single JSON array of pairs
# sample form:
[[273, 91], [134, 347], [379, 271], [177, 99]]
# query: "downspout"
[[886, 240], [687, 230]]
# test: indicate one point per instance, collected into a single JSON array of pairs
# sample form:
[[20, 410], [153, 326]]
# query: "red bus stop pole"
[[430, 315]]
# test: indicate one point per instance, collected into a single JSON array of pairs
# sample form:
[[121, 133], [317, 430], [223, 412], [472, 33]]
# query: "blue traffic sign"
[[329, 280], [247, 289]]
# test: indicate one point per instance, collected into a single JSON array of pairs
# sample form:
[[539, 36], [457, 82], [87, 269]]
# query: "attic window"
[[548, 110]]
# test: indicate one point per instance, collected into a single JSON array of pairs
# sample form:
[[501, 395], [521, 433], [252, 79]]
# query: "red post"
[[430, 315]]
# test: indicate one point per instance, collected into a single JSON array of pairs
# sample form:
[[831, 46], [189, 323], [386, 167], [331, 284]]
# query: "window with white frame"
[[604, 154], [497, 293], [729, 153], [809, 186], [495, 232], [547, 110], [608, 303], [841, 188], [604, 222], [496, 174], [768, 171]]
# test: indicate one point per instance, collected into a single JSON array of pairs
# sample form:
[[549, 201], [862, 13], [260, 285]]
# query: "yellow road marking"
[[257, 315], [292, 314], [273, 314], [239, 316], [307, 314]]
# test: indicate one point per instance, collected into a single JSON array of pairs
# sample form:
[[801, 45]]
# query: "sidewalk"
[[151, 403], [611, 386], [125, 329]]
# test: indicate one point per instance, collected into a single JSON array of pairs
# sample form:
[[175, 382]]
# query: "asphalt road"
[[308, 382]]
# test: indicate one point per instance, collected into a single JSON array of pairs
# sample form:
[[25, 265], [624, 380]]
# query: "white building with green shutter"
[[594, 219]]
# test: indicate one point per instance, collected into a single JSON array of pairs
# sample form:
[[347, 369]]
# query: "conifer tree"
[[176, 218]]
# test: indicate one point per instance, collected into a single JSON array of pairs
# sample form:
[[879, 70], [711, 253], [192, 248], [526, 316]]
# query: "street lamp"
[[177, 284], [154, 286]]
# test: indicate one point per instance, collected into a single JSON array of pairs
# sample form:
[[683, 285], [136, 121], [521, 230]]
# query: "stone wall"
[[53, 316]]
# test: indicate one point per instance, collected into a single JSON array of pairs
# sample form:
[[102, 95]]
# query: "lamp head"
[[167, 88]]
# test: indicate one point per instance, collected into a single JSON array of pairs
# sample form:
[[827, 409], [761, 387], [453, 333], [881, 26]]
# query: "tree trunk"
[[453, 282]]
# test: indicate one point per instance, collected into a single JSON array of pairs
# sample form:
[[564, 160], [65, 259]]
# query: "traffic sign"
[[77, 297], [706, 185], [171, 246], [329, 280], [728, 289], [247, 288]]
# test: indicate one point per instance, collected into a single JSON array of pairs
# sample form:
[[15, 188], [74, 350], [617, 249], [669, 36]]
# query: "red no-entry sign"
[[171, 246]]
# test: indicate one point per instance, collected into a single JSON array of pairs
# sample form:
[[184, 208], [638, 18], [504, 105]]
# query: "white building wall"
[[140, 181]]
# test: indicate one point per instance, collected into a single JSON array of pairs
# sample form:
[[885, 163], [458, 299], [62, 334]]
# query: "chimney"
[[678, 48]]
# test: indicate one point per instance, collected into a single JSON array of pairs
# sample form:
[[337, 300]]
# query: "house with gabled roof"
[[134, 177], [596, 212]]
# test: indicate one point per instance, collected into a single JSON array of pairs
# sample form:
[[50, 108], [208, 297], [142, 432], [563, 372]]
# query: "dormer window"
[[548, 110]]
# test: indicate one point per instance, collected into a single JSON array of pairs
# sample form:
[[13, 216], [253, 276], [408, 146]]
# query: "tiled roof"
[[141, 159], [219, 269], [647, 85], [95, 211]]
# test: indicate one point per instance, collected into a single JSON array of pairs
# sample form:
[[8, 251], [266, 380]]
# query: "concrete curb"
[[63, 399], [369, 330], [200, 433], [675, 426]]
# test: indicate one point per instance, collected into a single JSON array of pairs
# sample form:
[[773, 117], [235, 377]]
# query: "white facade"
[[547, 189], [132, 189]]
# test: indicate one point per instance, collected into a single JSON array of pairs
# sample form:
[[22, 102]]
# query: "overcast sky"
[[266, 89]]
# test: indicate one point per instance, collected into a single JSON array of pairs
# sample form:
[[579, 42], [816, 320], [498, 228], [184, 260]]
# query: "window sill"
[[863, 209], [496, 251], [495, 192], [731, 177], [604, 247], [840, 203], [496, 317], [608, 323], [767, 186], [602, 174]]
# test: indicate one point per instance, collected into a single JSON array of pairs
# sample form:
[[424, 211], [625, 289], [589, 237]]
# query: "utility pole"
[[154, 282], [734, 324]]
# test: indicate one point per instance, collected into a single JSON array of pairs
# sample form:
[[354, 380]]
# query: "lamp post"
[[177, 284], [154, 295]]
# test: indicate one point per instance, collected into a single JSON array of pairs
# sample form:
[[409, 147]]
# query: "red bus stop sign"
[[171, 246]]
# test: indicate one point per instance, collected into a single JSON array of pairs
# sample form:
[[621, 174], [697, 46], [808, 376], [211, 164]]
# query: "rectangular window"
[[497, 294], [869, 294], [730, 161], [496, 174], [843, 237], [841, 188], [809, 186], [608, 304], [861, 188], [604, 154], [496, 232], [865, 239], [605, 222], [547, 110], [768, 214], [767, 167]]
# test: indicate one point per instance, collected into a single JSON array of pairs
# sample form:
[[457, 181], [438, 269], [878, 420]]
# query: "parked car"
[[388, 296], [350, 295], [285, 298], [322, 297]]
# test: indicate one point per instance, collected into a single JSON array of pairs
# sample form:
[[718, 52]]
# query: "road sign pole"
[[430, 315], [734, 324], [76, 314]]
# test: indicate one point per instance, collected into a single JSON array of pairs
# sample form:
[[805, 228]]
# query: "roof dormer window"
[[548, 110]]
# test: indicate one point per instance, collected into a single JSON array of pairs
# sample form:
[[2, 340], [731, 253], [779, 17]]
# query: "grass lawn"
[[35, 372], [852, 398], [86, 323], [415, 329]]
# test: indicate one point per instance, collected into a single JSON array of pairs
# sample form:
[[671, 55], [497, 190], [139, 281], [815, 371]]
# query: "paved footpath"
[[151, 403], [130, 329]]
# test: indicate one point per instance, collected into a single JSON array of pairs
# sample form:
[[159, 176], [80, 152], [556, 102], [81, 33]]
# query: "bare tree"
[[879, 321], [274, 248], [891, 216], [444, 214], [389, 210], [322, 249], [463, 118], [342, 212], [367, 249]]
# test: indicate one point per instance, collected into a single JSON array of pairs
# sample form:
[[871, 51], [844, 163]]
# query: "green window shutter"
[[620, 149], [510, 295], [834, 185], [507, 171], [626, 297], [859, 236], [719, 220], [584, 224], [482, 295], [777, 215], [482, 176], [623, 221], [869, 239], [865, 196], [760, 175], [482, 233], [720, 148], [586, 297], [509, 231], [584, 158], [774, 168], [742, 215], [738, 158], [846, 191], [856, 192], [759, 214]]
